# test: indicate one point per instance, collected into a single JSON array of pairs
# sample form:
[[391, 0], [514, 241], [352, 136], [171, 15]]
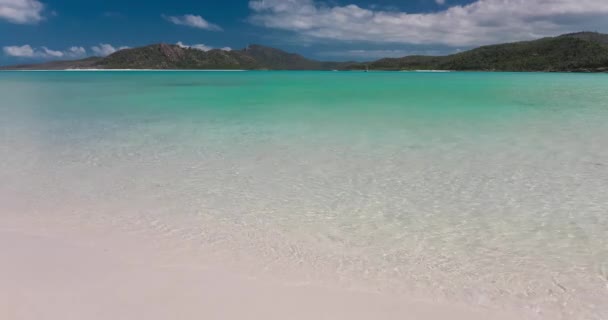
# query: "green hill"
[[576, 52], [573, 52], [165, 56]]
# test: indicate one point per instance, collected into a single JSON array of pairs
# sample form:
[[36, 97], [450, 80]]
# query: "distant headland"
[[575, 52]]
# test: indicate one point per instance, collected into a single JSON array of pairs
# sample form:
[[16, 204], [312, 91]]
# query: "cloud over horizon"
[[481, 22], [21, 11], [101, 50], [27, 51], [193, 21], [105, 49]]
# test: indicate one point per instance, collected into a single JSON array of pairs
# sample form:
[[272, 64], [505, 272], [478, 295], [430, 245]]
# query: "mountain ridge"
[[574, 52]]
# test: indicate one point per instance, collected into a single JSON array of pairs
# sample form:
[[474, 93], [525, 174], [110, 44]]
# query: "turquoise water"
[[490, 188]]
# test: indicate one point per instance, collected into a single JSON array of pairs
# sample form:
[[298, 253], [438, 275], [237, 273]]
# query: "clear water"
[[490, 188]]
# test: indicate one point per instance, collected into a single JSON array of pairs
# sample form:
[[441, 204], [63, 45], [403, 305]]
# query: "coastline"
[[340, 71], [103, 70], [59, 274]]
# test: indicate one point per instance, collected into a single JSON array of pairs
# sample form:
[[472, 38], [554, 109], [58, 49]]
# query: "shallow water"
[[488, 188]]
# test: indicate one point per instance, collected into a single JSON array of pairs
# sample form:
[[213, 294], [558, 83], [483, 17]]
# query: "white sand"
[[47, 273]]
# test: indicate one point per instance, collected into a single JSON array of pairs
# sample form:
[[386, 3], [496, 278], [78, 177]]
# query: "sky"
[[39, 30]]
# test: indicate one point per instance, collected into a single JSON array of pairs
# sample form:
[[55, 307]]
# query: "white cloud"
[[201, 47], [481, 22], [52, 53], [440, 2], [21, 11], [193, 21], [104, 49], [19, 51], [26, 51], [76, 51]]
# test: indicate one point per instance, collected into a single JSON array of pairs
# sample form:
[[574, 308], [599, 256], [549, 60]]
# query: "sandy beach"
[[54, 273]]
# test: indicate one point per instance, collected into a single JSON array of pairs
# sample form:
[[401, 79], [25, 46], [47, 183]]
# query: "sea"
[[484, 188]]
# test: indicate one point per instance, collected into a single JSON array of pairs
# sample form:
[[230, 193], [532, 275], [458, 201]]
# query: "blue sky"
[[36, 30]]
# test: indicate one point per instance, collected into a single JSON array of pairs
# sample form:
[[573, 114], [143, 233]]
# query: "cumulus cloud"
[[19, 51], [480, 22], [21, 11], [440, 2], [52, 53], [76, 51], [201, 47], [27, 51], [105, 49], [193, 21]]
